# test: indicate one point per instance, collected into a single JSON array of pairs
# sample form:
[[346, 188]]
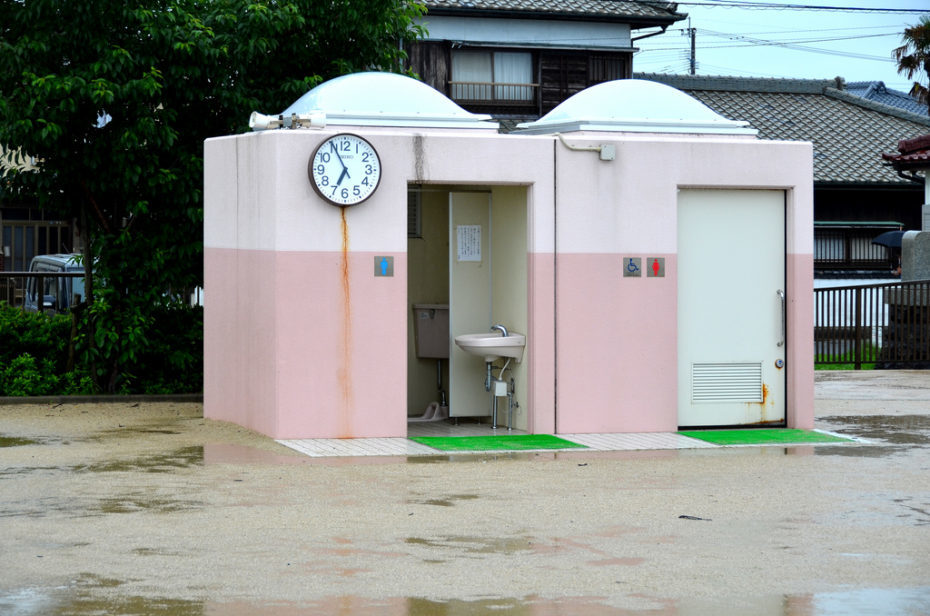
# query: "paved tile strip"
[[332, 447], [636, 441]]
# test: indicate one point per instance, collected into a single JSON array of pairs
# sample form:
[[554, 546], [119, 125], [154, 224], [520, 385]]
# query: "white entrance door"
[[731, 320]]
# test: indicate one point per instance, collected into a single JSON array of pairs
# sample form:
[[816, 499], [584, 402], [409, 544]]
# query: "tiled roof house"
[[517, 59], [877, 92], [857, 194]]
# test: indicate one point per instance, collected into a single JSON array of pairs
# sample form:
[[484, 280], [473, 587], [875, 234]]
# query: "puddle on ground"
[[132, 504], [885, 434], [446, 501], [185, 457], [80, 598], [894, 430], [16, 441], [475, 545]]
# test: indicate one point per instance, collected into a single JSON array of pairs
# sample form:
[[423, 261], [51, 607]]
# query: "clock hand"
[[345, 170], [335, 150]]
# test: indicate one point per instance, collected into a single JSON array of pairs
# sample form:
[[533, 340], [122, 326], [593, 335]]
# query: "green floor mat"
[[769, 436], [513, 442]]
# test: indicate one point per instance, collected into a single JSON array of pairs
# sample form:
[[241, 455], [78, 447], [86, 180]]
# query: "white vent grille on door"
[[726, 382]]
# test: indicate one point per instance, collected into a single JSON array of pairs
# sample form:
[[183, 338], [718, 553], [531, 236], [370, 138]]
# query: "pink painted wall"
[[616, 352], [616, 347], [286, 355]]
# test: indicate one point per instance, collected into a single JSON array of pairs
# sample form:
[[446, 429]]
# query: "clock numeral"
[[369, 170], [346, 146], [365, 156], [324, 156], [324, 180], [321, 169], [356, 190], [365, 181]]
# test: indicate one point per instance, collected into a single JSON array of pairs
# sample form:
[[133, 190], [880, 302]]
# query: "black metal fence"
[[59, 291], [41, 291], [882, 325]]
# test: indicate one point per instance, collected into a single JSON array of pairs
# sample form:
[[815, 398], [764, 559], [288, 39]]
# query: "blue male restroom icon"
[[384, 266]]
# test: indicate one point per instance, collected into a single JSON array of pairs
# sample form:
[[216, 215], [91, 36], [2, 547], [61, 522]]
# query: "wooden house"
[[520, 58]]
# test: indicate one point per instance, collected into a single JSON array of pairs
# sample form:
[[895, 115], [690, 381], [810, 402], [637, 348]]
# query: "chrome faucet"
[[501, 329]]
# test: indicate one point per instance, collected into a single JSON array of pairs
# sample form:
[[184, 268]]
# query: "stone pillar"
[[915, 256], [905, 339]]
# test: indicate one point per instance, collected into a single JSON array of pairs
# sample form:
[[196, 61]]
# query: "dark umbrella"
[[891, 239]]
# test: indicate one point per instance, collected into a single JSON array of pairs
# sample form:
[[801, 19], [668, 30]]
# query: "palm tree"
[[913, 57]]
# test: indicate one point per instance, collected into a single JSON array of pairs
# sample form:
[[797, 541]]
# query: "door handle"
[[781, 296]]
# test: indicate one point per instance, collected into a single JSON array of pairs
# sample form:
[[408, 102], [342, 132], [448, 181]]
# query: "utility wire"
[[726, 4]]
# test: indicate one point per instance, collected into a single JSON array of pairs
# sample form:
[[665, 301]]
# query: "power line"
[[796, 46], [747, 41], [744, 4]]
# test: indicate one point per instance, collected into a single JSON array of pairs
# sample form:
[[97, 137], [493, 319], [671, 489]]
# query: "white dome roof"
[[634, 105], [385, 99]]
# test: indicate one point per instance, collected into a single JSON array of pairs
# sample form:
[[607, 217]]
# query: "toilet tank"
[[431, 329]]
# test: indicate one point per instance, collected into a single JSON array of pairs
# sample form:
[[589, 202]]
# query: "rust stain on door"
[[763, 406]]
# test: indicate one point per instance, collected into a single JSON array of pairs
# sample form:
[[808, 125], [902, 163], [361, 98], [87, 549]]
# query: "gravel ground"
[[147, 508]]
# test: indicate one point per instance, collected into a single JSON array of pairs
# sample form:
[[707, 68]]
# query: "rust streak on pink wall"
[[345, 373]]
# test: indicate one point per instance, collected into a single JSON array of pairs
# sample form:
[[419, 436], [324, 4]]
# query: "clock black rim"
[[316, 188]]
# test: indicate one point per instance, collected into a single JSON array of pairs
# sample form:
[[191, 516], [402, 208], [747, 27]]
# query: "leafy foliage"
[[34, 355], [115, 100], [913, 57]]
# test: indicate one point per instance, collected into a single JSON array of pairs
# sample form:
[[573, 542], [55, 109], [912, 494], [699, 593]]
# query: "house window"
[[492, 76], [848, 245], [605, 68]]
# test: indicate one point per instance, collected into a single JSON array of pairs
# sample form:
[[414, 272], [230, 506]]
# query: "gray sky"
[[824, 44]]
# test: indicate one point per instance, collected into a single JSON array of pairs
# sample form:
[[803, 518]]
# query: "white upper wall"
[[528, 32]]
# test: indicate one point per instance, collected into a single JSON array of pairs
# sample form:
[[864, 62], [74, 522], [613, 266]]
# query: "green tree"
[[913, 57], [115, 98]]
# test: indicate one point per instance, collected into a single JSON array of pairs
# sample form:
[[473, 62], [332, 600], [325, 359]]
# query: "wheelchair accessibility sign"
[[632, 267]]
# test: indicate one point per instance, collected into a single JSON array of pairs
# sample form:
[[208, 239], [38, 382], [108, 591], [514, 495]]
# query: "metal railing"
[[885, 325], [15, 289], [493, 93]]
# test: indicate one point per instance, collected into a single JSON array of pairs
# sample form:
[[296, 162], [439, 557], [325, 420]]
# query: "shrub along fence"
[[46, 354]]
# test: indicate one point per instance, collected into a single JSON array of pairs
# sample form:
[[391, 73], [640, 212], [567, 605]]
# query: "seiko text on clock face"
[[345, 169]]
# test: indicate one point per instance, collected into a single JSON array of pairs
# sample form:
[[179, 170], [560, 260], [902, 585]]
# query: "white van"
[[53, 293]]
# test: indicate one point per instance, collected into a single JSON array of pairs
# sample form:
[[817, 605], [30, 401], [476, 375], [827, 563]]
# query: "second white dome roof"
[[634, 105]]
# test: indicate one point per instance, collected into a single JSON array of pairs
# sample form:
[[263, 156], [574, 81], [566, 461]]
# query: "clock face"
[[345, 169]]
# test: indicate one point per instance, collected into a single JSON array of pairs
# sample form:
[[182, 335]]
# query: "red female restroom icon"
[[655, 267]]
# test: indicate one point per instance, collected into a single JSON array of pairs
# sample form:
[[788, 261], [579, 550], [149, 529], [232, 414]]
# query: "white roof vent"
[[374, 99], [634, 105]]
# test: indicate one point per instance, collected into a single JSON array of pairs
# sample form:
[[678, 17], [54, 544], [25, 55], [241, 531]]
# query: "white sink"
[[492, 345]]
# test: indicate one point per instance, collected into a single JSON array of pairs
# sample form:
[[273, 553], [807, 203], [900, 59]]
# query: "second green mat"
[[512, 442], [763, 436]]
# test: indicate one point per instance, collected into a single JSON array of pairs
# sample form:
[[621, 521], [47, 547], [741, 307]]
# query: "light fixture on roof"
[[313, 119]]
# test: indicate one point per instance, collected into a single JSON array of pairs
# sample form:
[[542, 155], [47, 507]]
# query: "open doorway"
[[467, 256]]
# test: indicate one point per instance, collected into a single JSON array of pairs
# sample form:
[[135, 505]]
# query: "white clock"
[[345, 169]]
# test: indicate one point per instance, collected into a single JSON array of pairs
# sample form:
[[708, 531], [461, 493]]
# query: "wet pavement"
[[144, 509]]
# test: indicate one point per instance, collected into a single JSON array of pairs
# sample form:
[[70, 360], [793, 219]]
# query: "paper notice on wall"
[[468, 238]]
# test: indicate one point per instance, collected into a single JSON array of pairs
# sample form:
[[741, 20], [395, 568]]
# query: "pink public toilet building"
[[650, 261]]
